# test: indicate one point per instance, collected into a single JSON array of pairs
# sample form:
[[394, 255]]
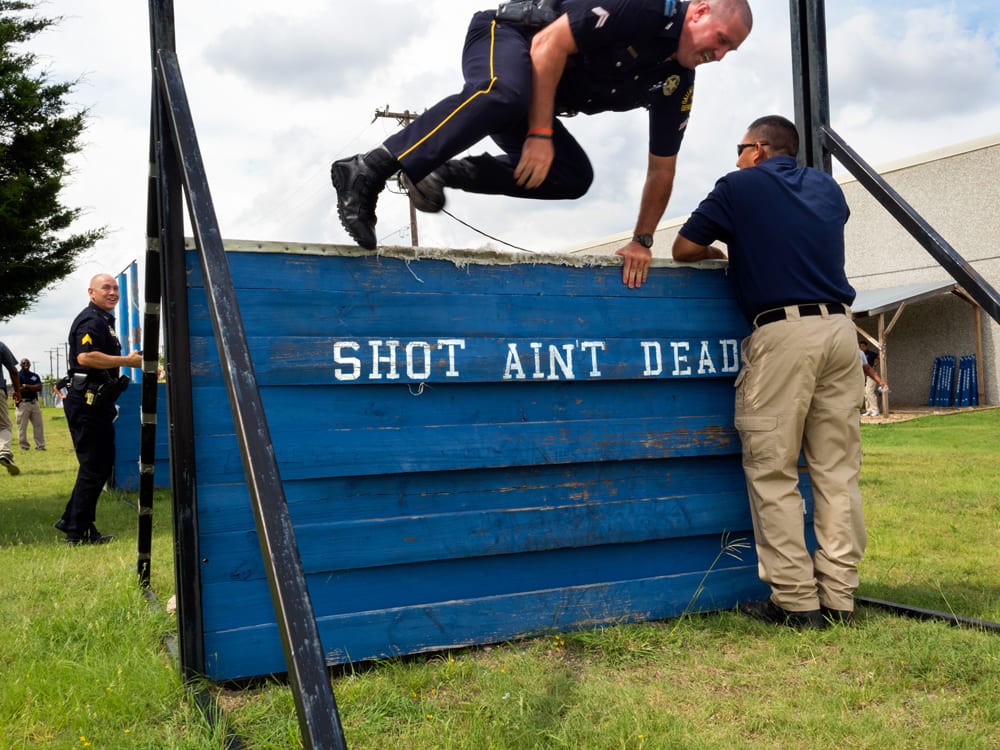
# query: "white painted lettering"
[[411, 371], [705, 363], [652, 352], [389, 359], [566, 365], [513, 364], [730, 355], [679, 358], [450, 344], [539, 373], [593, 346], [354, 370]]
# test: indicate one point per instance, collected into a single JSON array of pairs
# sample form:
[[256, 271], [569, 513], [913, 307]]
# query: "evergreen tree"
[[37, 135]]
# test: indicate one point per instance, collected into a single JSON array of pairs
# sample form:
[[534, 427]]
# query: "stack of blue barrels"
[[954, 382], [967, 390]]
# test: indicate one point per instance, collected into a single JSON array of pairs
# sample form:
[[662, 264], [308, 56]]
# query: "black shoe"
[[8, 462], [769, 612], [838, 616], [61, 525], [426, 195], [93, 536], [358, 180]]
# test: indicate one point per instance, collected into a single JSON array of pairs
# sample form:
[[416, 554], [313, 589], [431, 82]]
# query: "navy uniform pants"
[[496, 66], [93, 433]]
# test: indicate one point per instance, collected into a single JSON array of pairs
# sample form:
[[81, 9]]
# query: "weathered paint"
[[527, 447]]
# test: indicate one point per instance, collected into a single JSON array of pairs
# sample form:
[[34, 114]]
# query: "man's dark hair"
[[778, 132]]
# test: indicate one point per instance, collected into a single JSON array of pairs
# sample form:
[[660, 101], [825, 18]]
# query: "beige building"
[[957, 192]]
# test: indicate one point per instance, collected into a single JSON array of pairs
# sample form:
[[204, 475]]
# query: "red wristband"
[[543, 132]]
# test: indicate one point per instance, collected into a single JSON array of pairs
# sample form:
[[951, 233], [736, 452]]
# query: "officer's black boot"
[[358, 180], [428, 194]]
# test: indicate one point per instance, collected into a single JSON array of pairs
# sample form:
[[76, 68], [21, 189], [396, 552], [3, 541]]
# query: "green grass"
[[83, 663]]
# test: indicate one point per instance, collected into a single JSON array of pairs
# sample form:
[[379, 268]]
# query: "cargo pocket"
[[759, 439]]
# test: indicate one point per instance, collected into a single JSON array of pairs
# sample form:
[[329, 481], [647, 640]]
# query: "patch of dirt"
[[906, 413]]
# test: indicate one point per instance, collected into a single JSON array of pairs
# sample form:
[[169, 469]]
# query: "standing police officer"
[[94, 362], [612, 55]]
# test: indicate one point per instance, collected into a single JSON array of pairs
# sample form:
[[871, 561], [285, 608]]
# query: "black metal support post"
[[810, 79], [165, 232], [319, 721]]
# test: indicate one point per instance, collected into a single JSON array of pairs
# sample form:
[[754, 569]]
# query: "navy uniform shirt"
[[784, 228], [623, 63], [93, 331], [29, 378]]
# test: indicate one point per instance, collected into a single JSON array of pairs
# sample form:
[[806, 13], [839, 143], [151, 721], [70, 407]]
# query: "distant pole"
[[403, 118]]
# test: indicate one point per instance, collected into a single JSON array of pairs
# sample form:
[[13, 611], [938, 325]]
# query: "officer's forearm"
[[549, 50], [100, 360], [655, 192]]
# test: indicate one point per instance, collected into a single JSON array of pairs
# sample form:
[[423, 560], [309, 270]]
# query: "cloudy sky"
[[281, 90]]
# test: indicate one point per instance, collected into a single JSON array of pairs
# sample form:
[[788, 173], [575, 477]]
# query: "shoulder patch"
[[688, 100], [86, 339]]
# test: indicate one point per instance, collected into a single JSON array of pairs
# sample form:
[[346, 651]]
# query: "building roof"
[[875, 301]]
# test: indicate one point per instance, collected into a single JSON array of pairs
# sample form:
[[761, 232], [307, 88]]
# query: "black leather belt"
[[773, 316]]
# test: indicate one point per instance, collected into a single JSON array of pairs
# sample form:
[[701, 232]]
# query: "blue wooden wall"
[[127, 428], [472, 449]]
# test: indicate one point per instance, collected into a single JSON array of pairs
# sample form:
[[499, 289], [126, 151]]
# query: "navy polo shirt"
[[784, 228], [623, 63]]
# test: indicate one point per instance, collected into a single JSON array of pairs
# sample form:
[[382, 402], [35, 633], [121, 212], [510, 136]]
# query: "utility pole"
[[403, 118]]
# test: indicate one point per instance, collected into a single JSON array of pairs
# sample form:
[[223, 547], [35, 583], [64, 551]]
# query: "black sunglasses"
[[741, 146]]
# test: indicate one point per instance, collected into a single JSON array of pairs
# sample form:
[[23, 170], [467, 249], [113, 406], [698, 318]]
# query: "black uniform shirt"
[[93, 331], [624, 63]]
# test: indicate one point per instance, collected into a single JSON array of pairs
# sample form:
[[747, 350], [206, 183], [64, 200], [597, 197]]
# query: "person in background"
[[799, 385], [8, 361], [872, 381], [523, 71], [94, 361], [29, 411], [59, 390]]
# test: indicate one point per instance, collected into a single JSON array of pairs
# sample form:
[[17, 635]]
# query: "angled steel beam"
[[179, 162], [319, 721], [974, 284]]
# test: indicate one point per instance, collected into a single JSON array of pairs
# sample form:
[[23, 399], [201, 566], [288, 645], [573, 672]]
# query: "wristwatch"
[[646, 240]]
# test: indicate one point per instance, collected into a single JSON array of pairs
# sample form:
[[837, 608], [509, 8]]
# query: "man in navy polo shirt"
[[801, 382], [612, 55], [29, 411]]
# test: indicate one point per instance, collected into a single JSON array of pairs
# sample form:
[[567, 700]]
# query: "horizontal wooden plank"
[[299, 360], [373, 274], [426, 583], [359, 636], [485, 315], [293, 408], [404, 540], [313, 452], [226, 508]]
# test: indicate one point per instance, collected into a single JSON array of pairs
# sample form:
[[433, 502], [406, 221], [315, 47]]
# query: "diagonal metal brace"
[[974, 284]]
